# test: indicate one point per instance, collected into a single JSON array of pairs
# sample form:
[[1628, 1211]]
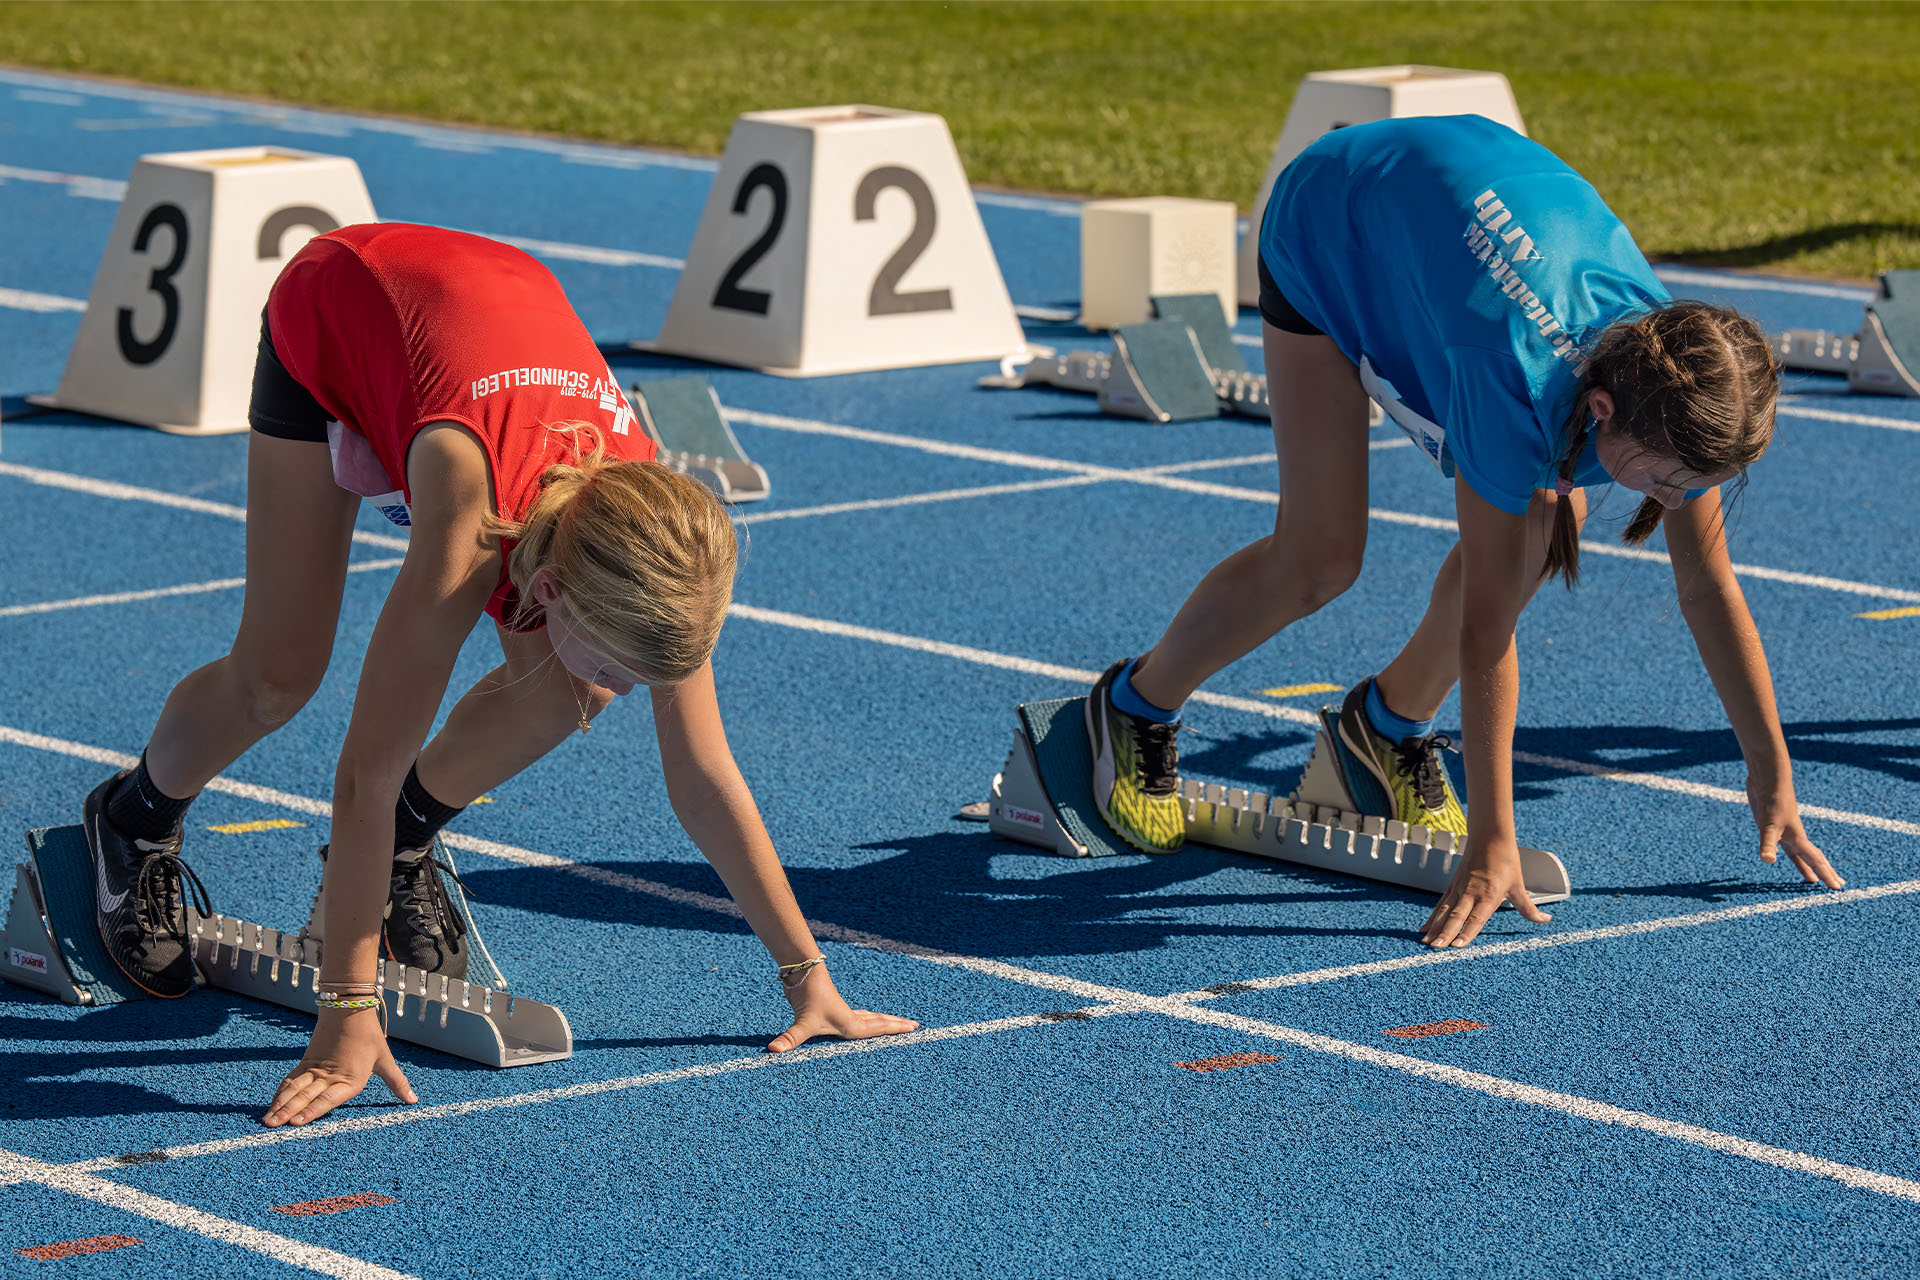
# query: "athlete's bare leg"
[[1319, 536], [519, 711], [299, 533], [1421, 676]]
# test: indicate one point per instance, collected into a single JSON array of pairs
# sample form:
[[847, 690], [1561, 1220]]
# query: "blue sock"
[[1129, 700], [1386, 722]]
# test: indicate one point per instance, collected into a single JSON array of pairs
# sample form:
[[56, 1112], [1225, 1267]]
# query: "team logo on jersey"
[[1502, 247], [611, 401]]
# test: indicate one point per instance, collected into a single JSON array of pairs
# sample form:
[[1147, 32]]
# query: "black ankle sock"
[[418, 817], [141, 810]]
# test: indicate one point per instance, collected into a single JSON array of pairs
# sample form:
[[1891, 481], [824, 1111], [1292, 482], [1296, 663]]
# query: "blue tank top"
[[1466, 270]]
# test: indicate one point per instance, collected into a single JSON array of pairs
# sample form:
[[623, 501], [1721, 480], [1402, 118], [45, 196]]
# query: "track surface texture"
[[1699, 1068]]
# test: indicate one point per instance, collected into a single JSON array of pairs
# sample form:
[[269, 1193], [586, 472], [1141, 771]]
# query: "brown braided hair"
[[1690, 381]]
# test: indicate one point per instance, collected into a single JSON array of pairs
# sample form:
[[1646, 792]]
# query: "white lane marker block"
[[173, 321], [1132, 251], [1328, 100], [839, 239]]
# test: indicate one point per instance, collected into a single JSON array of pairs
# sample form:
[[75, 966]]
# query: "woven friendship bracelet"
[[329, 1000], [792, 975]]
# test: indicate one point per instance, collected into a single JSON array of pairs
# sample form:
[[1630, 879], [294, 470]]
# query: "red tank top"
[[393, 326]]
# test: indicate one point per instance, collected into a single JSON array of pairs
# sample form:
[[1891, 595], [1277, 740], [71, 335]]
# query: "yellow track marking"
[[1295, 690], [248, 828], [483, 799], [1911, 611]]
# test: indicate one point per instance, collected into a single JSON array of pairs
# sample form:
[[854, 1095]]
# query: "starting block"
[[53, 945], [683, 416], [1883, 358], [1043, 797], [1183, 367]]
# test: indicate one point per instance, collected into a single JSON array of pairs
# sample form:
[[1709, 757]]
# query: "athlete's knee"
[[1315, 575], [275, 689]]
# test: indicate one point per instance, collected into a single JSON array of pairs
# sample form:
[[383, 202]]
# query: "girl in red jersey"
[[445, 377]]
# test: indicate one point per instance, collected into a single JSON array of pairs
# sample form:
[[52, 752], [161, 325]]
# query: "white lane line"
[[586, 252], [1279, 711], [1117, 1000], [134, 493], [1789, 407], [78, 184], [24, 300], [1265, 497], [188, 589], [1566, 1103], [1761, 284], [1706, 791], [999, 490], [1491, 950], [19, 1168], [454, 1110]]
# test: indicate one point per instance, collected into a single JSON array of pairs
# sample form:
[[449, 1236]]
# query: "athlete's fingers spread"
[[1810, 862], [1440, 912], [389, 1071], [1523, 903], [293, 1095], [330, 1097], [802, 1030], [1456, 919], [1482, 912], [867, 1024]]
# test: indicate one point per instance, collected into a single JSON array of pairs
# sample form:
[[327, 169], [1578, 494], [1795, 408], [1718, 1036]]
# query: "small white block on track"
[[1134, 250], [1328, 100], [840, 239], [173, 321]]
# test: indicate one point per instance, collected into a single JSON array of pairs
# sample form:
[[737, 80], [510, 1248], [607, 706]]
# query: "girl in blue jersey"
[[1479, 289]]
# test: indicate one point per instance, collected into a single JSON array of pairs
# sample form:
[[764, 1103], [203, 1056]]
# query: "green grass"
[[1775, 135]]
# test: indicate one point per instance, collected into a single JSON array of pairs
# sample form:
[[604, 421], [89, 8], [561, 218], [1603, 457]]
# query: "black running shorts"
[[282, 407], [1276, 310]]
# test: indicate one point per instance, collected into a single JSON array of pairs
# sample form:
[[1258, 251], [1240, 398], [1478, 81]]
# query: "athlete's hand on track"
[[1777, 814], [1488, 876], [348, 1047], [819, 1010]]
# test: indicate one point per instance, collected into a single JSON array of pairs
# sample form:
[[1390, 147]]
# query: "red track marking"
[[332, 1204], [74, 1248], [1446, 1028], [1226, 1060]]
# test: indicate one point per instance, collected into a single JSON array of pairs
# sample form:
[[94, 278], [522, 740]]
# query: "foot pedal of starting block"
[[683, 416], [1882, 359], [1201, 313], [1044, 797], [53, 934]]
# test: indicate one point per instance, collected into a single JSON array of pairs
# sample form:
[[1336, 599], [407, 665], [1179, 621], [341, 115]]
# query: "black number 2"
[[160, 282], [886, 298], [730, 295]]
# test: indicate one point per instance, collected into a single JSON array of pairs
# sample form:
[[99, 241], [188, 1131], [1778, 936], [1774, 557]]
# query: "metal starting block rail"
[[1183, 367], [1044, 797], [53, 945], [1882, 359]]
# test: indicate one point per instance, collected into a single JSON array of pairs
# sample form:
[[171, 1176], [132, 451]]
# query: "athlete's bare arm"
[[449, 572], [1496, 577], [1716, 612], [712, 802]]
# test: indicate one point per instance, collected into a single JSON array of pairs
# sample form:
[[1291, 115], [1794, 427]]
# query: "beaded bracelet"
[[340, 1000]]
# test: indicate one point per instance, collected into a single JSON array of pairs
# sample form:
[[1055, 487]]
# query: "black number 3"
[[160, 282]]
